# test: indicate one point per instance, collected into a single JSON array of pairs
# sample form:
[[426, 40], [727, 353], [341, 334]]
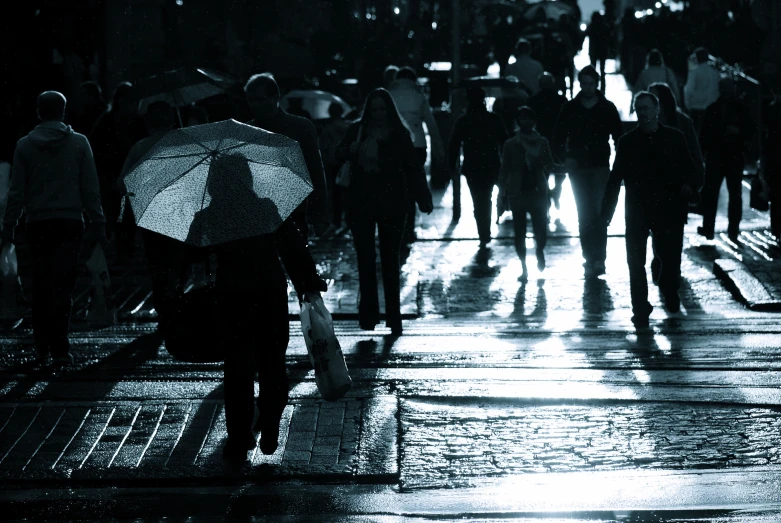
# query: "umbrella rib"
[[138, 220], [174, 156], [195, 140], [265, 163]]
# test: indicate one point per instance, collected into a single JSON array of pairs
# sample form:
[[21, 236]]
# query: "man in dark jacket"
[[54, 182], [263, 97], [581, 144], [726, 126], [654, 163], [482, 135], [547, 104]]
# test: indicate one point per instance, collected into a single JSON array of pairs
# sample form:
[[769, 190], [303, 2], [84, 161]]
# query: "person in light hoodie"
[[54, 181]]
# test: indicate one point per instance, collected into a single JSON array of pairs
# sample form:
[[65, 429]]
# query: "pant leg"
[[557, 187], [391, 232], [270, 349], [733, 172], [539, 216], [409, 228], [481, 191], [636, 244], [518, 209], [237, 323], [57, 243], [41, 251], [714, 175], [362, 228], [588, 186], [669, 247]]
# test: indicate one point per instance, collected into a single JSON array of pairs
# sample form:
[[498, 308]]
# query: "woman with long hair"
[[386, 178], [672, 115], [656, 71]]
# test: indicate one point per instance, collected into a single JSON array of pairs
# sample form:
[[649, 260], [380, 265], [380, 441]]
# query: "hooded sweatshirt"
[[53, 177]]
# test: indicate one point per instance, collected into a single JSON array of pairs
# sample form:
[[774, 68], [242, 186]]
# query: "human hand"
[[312, 296]]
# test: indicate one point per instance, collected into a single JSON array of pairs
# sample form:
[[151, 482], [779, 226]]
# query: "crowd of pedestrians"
[[665, 164]]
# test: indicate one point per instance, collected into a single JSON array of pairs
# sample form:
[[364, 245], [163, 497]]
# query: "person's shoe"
[[268, 424], [589, 270], [734, 236], [672, 302], [235, 449], [702, 231], [367, 325], [540, 261], [640, 317], [396, 330]]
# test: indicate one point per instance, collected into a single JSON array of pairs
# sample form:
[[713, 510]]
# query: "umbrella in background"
[[214, 183], [182, 87], [315, 102], [548, 10]]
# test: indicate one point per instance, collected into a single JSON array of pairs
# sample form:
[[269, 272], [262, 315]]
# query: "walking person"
[[160, 250], [547, 105], [387, 178], [415, 111], [331, 136], [599, 35], [251, 290], [481, 135], [654, 163], [671, 115], [523, 185], [657, 72], [702, 86], [770, 173], [54, 182], [525, 68], [727, 125], [263, 97], [581, 144]]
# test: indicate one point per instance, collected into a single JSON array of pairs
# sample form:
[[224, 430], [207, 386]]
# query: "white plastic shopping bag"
[[331, 376], [100, 313], [11, 296]]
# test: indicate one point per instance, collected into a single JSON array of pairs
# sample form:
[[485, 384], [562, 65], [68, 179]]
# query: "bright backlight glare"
[[396, 10], [649, 12], [658, 5], [440, 66], [511, 60], [583, 27], [639, 14], [434, 25]]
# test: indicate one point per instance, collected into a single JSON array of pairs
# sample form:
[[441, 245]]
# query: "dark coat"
[[547, 105], [401, 179], [303, 131], [714, 139], [481, 134], [583, 134], [654, 168]]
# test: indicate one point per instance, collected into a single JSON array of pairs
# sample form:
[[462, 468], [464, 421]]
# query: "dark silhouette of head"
[[589, 80], [229, 175], [526, 118], [523, 47], [389, 75], [547, 81], [407, 73], [374, 111], [702, 55], [654, 58], [667, 101], [647, 108], [335, 110], [51, 106], [91, 93], [123, 97], [263, 95], [159, 116], [475, 99]]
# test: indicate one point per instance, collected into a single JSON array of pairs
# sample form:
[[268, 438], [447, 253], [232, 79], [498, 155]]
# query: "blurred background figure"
[[656, 71], [331, 135]]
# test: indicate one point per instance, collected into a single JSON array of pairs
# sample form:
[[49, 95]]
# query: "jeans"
[[390, 231], [54, 245], [256, 334], [667, 245], [537, 208], [716, 171], [588, 187], [481, 189]]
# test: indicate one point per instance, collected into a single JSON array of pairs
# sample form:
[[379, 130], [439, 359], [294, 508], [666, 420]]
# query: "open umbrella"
[[315, 102], [182, 87], [214, 183], [547, 10]]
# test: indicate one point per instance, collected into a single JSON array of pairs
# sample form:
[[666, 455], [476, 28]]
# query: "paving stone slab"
[[750, 286], [153, 440], [455, 445]]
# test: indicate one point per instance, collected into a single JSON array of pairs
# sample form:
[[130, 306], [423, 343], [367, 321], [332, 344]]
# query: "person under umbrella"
[[232, 187]]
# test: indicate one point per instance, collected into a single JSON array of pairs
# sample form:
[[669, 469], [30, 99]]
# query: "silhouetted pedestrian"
[[481, 135], [771, 165], [726, 126], [387, 178], [654, 163], [702, 86], [331, 136], [599, 33], [525, 68], [581, 144], [656, 71], [54, 182]]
